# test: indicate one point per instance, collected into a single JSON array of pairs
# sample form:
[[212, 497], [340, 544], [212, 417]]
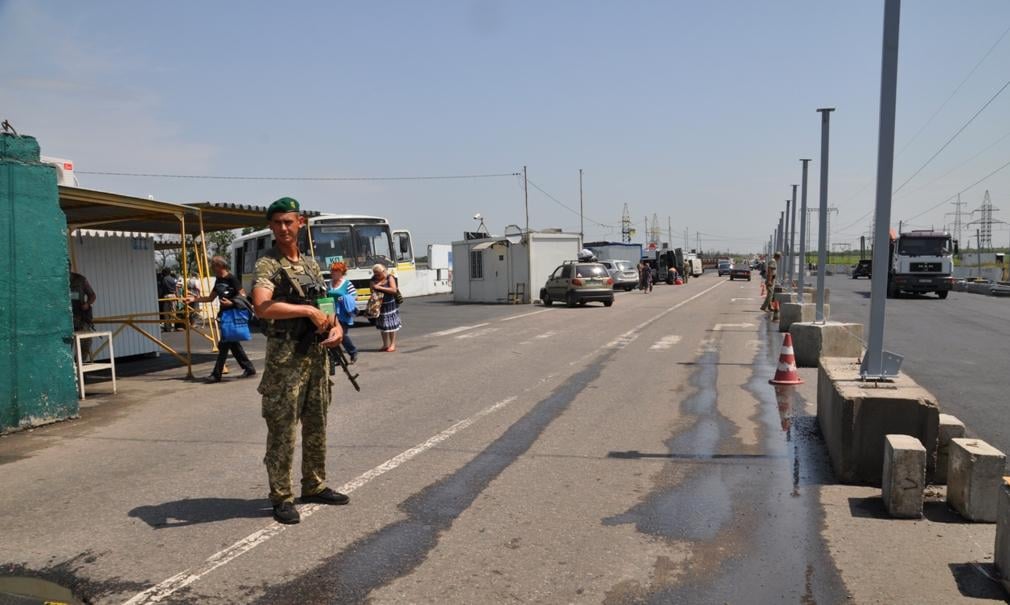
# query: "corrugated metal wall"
[[121, 269]]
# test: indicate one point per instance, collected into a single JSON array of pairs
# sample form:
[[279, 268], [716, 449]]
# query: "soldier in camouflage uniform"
[[295, 386]]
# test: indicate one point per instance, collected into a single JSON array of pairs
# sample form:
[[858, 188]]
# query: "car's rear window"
[[622, 265], [590, 271]]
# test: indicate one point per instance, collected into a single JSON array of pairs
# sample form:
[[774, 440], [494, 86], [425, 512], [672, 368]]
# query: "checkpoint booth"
[[111, 241]]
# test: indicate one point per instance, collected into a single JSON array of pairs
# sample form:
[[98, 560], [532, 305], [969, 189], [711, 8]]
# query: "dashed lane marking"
[[477, 333], [457, 330], [524, 315], [721, 327], [665, 343]]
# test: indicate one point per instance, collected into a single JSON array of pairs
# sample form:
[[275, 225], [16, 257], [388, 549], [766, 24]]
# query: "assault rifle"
[[337, 357], [309, 294]]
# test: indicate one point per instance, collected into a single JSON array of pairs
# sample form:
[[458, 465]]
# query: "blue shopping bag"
[[235, 325]]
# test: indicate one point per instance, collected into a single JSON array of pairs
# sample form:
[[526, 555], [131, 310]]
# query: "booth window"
[[477, 264]]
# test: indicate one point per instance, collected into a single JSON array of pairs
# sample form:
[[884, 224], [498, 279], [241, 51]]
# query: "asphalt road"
[[634, 454], [957, 348]]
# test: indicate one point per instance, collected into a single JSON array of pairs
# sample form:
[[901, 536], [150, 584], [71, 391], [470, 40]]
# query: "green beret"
[[285, 204]]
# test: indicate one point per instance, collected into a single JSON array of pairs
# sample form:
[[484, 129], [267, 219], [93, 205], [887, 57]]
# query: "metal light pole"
[[792, 244], [582, 228], [822, 218], [877, 363], [803, 229], [778, 244], [787, 253]]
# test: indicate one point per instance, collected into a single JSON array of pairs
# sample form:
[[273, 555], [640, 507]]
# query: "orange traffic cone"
[[786, 372]]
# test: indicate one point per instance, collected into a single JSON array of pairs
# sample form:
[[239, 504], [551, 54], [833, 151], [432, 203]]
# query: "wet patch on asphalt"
[[67, 575], [397, 549], [755, 532]]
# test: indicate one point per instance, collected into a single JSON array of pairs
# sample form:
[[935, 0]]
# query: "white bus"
[[358, 241]]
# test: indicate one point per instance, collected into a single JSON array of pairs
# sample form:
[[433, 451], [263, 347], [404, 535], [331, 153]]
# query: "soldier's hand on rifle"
[[336, 335], [321, 320]]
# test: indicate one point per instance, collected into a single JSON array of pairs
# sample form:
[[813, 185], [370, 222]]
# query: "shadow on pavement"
[[978, 580], [181, 513]]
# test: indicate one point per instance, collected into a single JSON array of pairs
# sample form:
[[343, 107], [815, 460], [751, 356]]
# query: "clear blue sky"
[[696, 110]]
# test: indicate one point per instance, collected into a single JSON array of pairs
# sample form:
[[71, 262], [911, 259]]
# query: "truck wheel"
[[892, 291], [942, 295], [570, 299], [607, 303]]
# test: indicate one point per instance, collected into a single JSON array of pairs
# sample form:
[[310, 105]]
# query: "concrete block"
[[854, 417], [973, 478], [950, 427], [785, 297], [791, 313], [904, 476], [811, 341], [1001, 556], [810, 295]]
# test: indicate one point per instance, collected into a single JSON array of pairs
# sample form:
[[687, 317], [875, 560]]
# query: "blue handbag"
[[235, 325]]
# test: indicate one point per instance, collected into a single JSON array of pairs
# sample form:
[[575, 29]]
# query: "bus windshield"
[[373, 245], [333, 243]]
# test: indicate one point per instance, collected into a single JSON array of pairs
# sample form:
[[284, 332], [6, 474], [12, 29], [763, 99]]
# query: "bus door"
[[403, 250]]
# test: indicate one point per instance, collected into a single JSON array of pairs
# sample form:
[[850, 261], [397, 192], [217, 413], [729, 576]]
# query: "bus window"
[[333, 243], [373, 245], [402, 248], [249, 257]]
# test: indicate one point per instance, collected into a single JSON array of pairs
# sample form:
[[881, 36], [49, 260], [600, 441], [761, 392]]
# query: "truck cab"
[[922, 262]]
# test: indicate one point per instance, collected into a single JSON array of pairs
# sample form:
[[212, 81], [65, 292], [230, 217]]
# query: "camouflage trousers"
[[295, 388]]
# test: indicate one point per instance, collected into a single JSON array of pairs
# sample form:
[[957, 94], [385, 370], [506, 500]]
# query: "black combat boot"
[[286, 513]]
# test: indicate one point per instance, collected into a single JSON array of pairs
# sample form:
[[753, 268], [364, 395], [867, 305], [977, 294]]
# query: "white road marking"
[[721, 327], [665, 343], [524, 315], [168, 587], [457, 330], [547, 334], [477, 333], [706, 345], [739, 299]]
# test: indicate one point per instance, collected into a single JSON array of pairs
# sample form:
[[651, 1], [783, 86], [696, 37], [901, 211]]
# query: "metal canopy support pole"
[[877, 363], [185, 290], [792, 243], [822, 216], [803, 230]]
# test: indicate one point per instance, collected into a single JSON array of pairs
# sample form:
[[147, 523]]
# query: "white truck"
[[922, 261]]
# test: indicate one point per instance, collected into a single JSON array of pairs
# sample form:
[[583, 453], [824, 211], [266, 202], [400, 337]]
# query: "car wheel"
[[546, 298], [570, 299], [607, 303]]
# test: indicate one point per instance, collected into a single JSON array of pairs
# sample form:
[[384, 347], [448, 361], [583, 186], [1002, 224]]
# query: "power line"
[[302, 178], [954, 136], [566, 207], [944, 104], [970, 73], [965, 190]]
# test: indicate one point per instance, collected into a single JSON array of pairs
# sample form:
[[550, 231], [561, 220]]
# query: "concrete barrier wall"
[[424, 282]]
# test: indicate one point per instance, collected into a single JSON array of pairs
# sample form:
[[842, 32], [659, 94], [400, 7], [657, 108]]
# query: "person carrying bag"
[[233, 318]]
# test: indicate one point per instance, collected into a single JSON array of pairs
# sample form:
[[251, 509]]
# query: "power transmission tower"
[[654, 235], [831, 210], [625, 226], [985, 222]]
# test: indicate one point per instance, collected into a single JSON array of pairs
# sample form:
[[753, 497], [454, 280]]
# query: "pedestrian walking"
[[296, 383], [388, 321], [230, 294], [345, 297], [771, 270], [645, 277]]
